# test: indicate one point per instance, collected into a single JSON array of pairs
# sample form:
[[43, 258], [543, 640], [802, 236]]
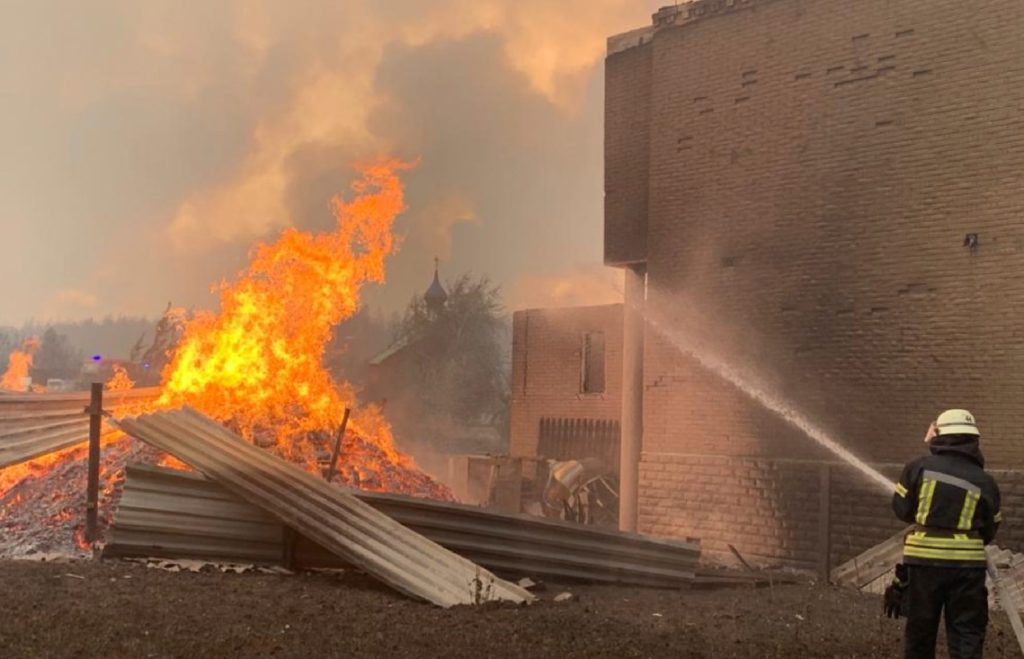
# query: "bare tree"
[[56, 356]]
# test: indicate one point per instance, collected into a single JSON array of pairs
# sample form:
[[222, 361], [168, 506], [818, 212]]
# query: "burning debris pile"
[[42, 505], [365, 465], [19, 363], [255, 366]]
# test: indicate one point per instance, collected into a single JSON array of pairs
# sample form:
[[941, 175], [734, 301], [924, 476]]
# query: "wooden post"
[[337, 446], [825, 522], [95, 410]]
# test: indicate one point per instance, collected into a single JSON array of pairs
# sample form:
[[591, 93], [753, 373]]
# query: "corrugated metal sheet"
[[873, 572], [331, 517], [1004, 583], [536, 547], [174, 514], [71, 402], [33, 425], [1009, 566], [870, 568]]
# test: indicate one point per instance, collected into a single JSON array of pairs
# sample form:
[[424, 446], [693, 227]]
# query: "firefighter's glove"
[[893, 601]]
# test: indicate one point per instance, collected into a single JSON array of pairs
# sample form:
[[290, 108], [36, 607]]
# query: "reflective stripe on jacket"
[[953, 502]]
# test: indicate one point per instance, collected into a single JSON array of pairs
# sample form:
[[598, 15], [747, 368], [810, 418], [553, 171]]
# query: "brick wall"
[[546, 360], [813, 169], [767, 510], [861, 516], [627, 143], [771, 510]]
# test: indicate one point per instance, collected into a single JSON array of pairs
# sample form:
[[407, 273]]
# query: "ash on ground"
[[44, 513]]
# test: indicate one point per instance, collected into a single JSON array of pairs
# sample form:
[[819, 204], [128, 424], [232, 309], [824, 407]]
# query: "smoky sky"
[[147, 146]]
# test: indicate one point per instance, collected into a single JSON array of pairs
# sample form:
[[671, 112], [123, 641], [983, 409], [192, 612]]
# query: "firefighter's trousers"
[[957, 592]]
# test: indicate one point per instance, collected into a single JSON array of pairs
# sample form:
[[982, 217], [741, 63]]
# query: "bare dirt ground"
[[117, 609]]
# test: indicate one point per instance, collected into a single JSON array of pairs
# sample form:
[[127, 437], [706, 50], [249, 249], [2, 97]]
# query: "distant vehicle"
[[56, 384]]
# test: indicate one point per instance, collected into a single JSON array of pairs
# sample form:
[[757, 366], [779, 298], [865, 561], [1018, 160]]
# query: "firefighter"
[[954, 505]]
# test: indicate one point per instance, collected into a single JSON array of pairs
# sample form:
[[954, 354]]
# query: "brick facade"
[[546, 362], [627, 147], [812, 172]]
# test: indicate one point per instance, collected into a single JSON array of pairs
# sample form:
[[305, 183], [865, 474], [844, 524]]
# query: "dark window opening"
[[592, 366]]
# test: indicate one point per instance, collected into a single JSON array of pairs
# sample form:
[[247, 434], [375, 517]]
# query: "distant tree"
[[8, 342], [166, 336], [110, 337], [457, 352], [139, 349], [56, 356]]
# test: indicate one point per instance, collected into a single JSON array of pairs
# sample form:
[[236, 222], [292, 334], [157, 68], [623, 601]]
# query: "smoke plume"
[[147, 145]]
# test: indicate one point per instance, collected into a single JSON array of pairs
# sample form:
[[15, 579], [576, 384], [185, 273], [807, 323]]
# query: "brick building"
[[566, 382], [828, 195]]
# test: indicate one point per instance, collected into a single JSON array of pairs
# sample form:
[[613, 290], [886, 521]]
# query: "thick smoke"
[[148, 144]]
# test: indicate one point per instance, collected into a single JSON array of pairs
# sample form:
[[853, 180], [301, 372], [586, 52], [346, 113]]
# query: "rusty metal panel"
[[329, 516], [173, 514], [33, 425]]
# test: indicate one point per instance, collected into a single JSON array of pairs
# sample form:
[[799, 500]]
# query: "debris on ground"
[[333, 518], [210, 614]]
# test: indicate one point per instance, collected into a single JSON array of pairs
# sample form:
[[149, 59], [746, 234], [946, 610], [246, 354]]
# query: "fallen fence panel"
[[34, 425], [174, 514], [331, 517]]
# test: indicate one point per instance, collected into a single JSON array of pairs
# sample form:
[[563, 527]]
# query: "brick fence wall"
[[771, 510]]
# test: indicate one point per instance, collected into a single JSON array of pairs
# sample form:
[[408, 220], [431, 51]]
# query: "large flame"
[[19, 363], [256, 365], [120, 380]]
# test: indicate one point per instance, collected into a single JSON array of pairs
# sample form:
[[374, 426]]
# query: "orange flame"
[[256, 365], [13, 474], [20, 361], [119, 381]]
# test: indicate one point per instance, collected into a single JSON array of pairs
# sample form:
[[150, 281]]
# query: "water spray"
[[770, 401], [685, 345]]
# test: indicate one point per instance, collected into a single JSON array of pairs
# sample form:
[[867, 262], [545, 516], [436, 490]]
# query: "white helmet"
[[956, 422]]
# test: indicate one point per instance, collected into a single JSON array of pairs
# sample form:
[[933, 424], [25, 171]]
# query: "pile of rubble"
[[242, 505]]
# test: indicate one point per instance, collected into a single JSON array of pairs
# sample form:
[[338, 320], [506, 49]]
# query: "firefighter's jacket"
[[953, 503]]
